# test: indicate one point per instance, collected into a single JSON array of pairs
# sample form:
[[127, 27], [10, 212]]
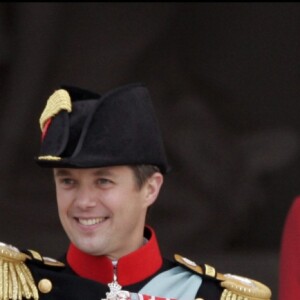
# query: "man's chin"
[[90, 248]]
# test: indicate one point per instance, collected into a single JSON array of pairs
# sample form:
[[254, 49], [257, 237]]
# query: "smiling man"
[[108, 163], [103, 210]]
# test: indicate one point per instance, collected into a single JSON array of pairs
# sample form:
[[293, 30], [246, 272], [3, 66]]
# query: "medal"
[[116, 292]]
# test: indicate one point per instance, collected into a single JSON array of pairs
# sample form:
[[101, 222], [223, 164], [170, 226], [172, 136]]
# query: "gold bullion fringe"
[[16, 281], [228, 295]]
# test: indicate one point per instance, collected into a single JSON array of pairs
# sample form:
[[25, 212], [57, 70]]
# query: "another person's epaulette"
[[16, 280], [235, 287]]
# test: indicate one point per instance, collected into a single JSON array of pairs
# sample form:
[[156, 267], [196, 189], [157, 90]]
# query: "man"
[[108, 163]]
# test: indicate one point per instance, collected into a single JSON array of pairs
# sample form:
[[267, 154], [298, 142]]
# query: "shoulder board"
[[36, 256], [16, 279], [203, 269], [235, 287]]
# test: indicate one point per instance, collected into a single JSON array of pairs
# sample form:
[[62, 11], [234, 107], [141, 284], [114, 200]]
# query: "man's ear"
[[152, 188]]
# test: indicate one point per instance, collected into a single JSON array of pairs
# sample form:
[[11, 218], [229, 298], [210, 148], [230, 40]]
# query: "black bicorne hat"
[[81, 129]]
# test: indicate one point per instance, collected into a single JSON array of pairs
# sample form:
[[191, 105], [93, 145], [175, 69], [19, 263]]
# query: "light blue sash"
[[177, 283]]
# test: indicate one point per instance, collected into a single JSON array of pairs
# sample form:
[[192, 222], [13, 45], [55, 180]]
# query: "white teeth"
[[88, 222]]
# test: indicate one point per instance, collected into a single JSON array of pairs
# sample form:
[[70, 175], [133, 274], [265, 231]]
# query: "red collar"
[[132, 268]]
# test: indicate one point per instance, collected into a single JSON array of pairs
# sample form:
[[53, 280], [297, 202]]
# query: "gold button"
[[45, 286]]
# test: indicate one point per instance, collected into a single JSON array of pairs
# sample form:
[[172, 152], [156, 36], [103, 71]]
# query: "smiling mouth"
[[90, 222]]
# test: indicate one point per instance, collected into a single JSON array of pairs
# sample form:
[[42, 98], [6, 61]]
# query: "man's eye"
[[67, 181], [104, 181]]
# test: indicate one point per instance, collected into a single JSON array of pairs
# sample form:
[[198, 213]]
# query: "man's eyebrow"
[[61, 172], [102, 172], [97, 172]]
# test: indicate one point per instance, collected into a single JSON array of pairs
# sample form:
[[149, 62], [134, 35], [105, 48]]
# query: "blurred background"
[[224, 78]]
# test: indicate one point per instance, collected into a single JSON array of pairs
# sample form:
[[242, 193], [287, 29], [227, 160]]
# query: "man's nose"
[[86, 198]]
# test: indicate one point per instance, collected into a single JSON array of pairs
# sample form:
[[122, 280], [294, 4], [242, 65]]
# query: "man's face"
[[102, 210]]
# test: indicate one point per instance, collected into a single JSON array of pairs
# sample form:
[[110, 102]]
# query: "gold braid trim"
[[242, 288], [16, 281], [59, 100], [49, 157]]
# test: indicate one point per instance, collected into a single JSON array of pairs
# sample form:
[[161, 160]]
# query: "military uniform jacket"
[[140, 275]]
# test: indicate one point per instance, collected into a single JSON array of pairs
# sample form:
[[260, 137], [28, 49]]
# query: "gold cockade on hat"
[[59, 100], [16, 281]]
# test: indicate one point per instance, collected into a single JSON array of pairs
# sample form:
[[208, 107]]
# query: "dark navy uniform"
[[143, 274]]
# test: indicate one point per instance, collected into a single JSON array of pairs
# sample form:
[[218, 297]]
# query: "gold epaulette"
[[235, 287], [16, 280]]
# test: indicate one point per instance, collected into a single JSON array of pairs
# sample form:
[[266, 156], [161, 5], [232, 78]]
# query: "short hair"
[[143, 172]]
